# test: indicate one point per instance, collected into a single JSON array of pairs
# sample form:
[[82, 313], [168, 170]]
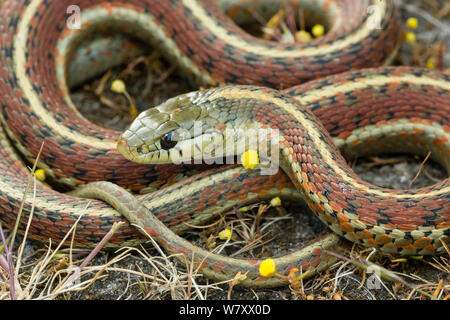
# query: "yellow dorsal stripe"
[[373, 81], [322, 148]]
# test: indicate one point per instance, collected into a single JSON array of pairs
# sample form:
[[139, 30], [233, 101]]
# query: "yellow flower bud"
[[40, 174], [250, 159], [303, 36], [225, 234], [411, 37], [318, 30], [118, 86], [267, 268], [412, 23], [275, 202], [431, 63]]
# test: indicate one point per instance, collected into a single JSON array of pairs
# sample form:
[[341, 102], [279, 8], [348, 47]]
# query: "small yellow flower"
[[411, 37], [267, 268], [303, 36], [40, 174], [250, 159], [412, 23], [118, 86], [225, 234], [275, 202], [431, 63], [318, 30]]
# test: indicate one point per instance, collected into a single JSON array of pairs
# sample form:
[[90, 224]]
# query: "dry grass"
[[60, 273], [57, 273]]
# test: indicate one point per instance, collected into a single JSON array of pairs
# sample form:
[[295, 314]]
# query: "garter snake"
[[36, 105], [407, 222], [36, 47]]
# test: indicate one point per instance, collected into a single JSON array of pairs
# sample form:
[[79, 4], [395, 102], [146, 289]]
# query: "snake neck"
[[331, 189]]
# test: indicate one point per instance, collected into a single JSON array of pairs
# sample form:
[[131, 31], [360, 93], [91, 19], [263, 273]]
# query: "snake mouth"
[[124, 149], [151, 157]]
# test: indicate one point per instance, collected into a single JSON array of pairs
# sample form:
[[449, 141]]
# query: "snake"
[[36, 49], [405, 222]]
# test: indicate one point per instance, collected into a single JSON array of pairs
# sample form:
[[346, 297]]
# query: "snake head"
[[169, 132]]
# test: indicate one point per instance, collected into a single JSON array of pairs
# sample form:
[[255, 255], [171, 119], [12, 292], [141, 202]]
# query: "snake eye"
[[169, 140]]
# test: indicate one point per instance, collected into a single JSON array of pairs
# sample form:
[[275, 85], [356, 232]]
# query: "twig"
[[420, 169], [116, 226]]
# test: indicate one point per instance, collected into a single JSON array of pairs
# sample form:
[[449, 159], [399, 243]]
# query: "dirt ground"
[[136, 275]]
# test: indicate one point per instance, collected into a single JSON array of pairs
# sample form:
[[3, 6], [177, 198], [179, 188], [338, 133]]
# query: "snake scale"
[[389, 109]]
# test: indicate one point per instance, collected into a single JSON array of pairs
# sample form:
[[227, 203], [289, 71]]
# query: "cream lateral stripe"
[[364, 83], [230, 93], [189, 189], [40, 202], [257, 49], [103, 212], [20, 41], [171, 197]]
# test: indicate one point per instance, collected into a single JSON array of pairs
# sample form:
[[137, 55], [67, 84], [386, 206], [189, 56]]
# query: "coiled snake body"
[[396, 109]]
